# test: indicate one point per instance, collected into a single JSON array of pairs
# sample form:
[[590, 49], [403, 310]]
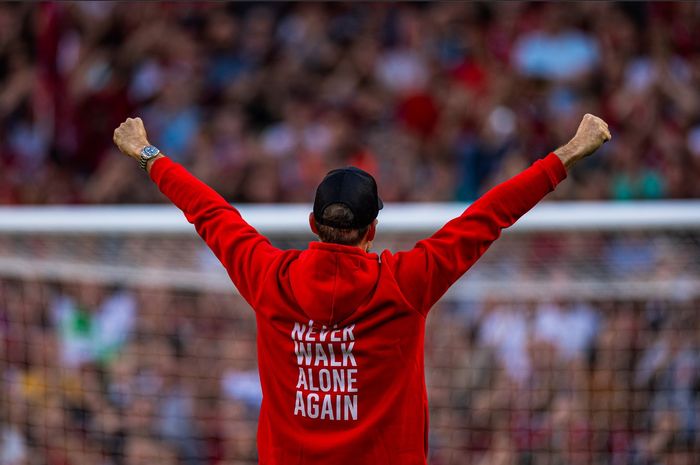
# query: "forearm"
[[244, 252], [216, 221], [184, 190], [452, 250], [504, 204]]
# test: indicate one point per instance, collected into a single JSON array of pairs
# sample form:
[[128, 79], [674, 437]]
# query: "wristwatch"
[[149, 152]]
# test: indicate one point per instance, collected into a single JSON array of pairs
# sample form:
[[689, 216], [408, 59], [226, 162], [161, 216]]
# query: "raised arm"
[[244, 252], [425, 272]]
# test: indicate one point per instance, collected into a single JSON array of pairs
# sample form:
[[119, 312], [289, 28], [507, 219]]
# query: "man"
[[340, 330]]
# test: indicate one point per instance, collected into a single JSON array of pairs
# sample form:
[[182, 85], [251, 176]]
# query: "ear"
[[372, 230], [312, 223]]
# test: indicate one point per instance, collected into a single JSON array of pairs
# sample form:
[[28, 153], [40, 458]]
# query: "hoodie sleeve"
[[244, 252], [425, 272]]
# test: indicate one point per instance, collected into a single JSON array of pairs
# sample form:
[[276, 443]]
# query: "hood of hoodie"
[[331, 281]]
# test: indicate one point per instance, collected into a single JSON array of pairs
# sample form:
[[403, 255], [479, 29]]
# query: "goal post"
[[290, 220], [91, 243]]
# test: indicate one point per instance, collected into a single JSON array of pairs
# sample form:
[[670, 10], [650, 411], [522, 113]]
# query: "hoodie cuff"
[[554, 168], [158, 166]]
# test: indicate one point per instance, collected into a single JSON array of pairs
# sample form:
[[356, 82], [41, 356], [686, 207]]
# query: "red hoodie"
[[340, 331]]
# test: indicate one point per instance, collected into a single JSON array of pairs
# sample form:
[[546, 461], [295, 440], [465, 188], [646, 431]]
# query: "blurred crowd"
[[566, 382], [439, 100], [102, 375]]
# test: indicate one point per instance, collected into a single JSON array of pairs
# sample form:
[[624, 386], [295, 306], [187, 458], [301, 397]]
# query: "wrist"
[[148, 153], [568, 154], [138, 149]]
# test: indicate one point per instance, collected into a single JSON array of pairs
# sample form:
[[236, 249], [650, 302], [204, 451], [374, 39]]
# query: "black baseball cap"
[[352, 187]]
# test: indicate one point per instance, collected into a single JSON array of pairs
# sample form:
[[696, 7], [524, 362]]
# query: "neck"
[[364, 246]]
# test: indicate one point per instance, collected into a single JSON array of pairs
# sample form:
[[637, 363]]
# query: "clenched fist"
[[591, 134], [130, 137]]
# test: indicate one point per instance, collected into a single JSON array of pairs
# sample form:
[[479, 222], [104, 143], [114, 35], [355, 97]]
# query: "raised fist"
[[130, 137], [590, 135]]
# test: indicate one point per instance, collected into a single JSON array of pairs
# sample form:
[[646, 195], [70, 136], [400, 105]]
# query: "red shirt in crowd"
[[341, 331]]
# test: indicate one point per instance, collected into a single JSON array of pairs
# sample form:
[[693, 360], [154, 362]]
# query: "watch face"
[[150, 151]]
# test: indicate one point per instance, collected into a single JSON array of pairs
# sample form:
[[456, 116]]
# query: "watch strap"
[[149, 152]]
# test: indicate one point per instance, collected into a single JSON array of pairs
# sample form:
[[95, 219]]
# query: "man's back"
[[354, 393], [340, 331], [340, 354]]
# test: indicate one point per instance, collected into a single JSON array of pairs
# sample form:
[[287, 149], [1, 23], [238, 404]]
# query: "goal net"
[[574, 340]]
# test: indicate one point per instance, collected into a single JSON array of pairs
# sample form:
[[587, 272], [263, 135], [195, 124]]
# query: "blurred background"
[[440, 101]]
